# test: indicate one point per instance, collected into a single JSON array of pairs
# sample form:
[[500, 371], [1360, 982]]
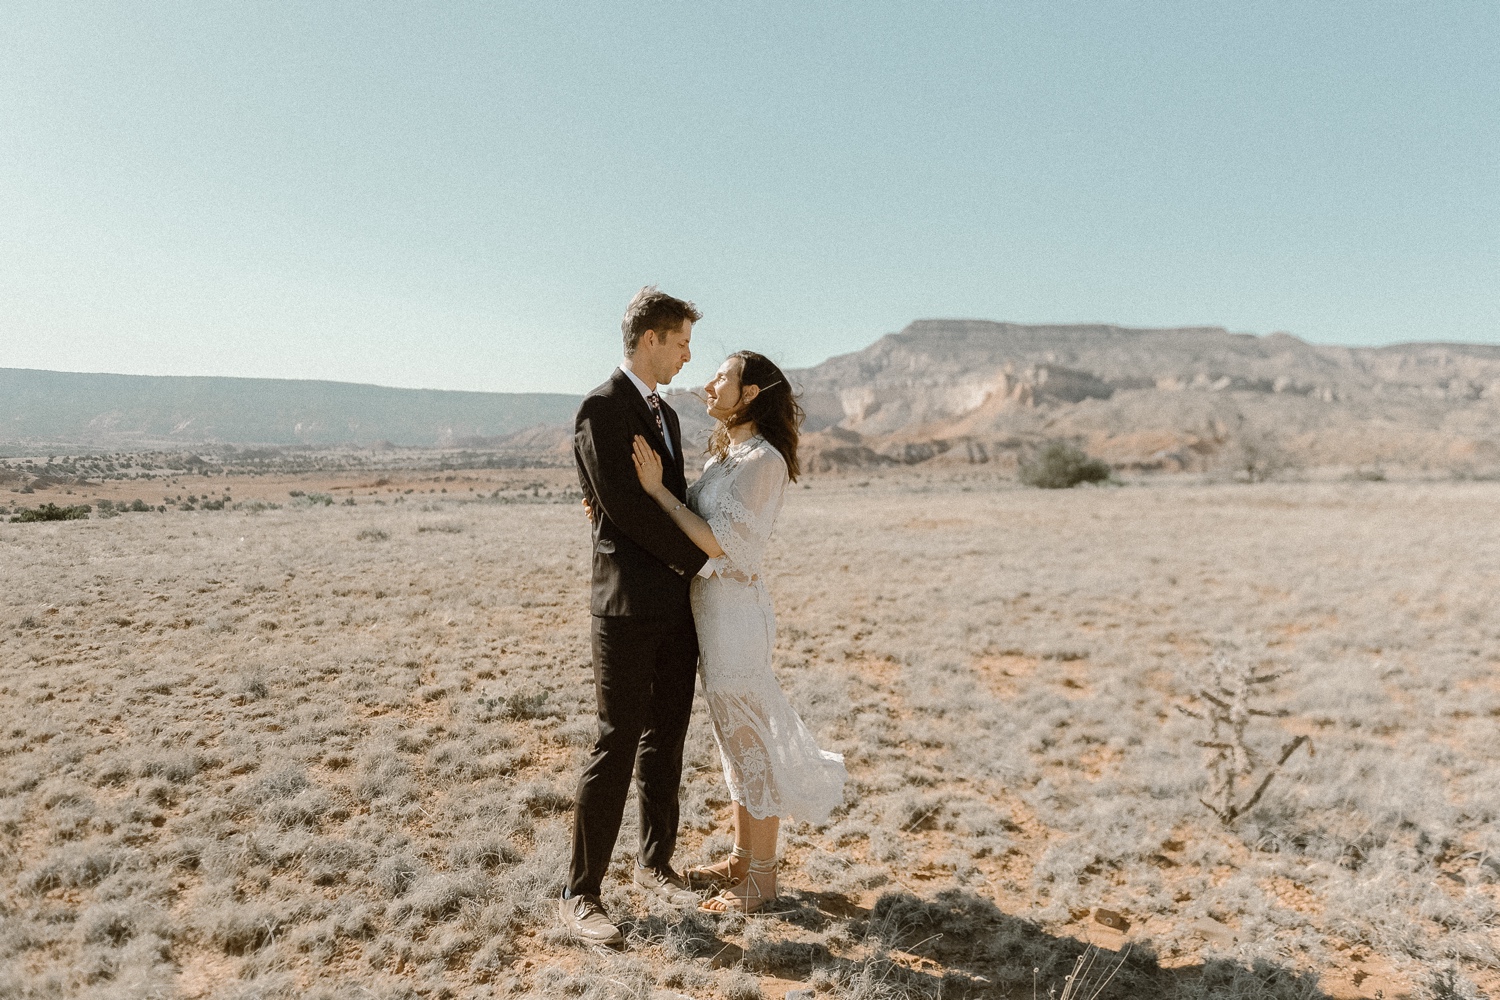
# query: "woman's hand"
[[587, 510], [647, 466]]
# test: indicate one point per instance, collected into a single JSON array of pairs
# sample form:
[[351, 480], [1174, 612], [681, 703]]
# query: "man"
[[645, 650]]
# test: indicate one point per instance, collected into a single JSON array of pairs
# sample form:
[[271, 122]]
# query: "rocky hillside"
[[970, 391], [134, 411], [940, 392]]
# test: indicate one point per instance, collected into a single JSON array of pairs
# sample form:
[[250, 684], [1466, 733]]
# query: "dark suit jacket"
[[643, 562]]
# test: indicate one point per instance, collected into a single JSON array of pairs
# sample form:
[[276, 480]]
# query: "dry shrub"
[[1060, 466], [178, 767], [397, 873], [1232, 762], [386, 777], [305, 809], [331, 860], [439, 896], [485, 851], [116, 923], [77, 867], [522, 705], [742, 987], [52, 512], [541, 798], [240, 928]]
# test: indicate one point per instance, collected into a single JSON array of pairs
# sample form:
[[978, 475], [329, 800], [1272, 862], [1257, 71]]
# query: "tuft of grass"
[[114, 924], [486, 851], [330, 860], [280, 784], [439, 896], [386, 777], [305, 809], [395, 874], [253, 686], [77, 867], [742, 986], [238, 928], [177, 768], [540, 798]]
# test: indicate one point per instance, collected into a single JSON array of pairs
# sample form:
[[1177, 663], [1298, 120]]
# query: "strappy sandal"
[[753, 899], [712, 877]]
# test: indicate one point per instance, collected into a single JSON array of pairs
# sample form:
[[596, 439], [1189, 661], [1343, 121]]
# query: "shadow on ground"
[[961, 945]]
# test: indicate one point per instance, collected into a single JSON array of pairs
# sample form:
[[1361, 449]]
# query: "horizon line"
[[925, 319]]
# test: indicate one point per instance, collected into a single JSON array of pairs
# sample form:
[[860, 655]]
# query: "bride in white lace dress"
[[772, 763]]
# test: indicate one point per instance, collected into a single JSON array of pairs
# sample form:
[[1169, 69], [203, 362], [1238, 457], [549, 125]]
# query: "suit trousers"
[[645, 669]]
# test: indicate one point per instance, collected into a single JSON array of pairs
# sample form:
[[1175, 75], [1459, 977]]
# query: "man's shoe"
[[585, 919], [666, 885]]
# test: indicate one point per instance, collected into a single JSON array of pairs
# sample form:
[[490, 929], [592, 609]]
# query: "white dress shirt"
[[645, 390]]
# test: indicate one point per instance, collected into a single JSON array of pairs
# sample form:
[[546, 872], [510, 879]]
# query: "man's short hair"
[[653, 309]]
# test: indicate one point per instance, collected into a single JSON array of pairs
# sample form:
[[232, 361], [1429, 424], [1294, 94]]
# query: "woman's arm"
[[648, 468]]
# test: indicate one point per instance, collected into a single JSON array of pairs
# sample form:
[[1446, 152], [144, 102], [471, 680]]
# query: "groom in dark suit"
[[645, 649]]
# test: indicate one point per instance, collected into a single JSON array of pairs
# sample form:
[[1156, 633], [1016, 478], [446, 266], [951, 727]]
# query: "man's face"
[[670, 353]]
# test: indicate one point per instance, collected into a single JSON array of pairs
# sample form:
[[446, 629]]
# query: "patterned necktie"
[[654, 401]]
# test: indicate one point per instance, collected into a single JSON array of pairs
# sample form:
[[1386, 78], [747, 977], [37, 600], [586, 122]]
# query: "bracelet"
[[675, 509]]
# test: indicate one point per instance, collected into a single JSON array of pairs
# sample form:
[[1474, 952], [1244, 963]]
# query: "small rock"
[[1111, 919]]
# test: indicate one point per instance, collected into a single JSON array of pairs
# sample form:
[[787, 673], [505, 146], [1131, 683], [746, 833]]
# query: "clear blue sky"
[[465, 196]]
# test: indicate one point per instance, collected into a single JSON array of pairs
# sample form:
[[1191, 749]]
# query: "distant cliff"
[[128, 411], [939, 392], [973, 391]]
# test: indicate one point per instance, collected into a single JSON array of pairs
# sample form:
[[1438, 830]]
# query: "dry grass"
[[329, 750]]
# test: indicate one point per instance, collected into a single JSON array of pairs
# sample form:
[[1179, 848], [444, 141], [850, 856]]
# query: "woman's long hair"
[[777, 415]]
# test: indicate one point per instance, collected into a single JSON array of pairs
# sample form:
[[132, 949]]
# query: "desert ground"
[[326, 748]]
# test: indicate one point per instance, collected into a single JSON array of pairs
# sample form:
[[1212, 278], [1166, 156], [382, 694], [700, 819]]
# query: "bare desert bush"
[[242, 755], [1232, 762], [1255, 454], [1059, 466]]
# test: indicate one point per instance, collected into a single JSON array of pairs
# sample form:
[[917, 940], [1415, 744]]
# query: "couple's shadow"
[[955, 945]]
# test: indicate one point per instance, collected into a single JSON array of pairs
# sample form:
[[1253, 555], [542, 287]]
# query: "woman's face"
[[723, 390]]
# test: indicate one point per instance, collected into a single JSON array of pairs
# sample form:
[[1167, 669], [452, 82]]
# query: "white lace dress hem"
[[772, 763]]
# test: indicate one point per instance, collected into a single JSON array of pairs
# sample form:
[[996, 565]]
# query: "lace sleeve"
[[745, 511]]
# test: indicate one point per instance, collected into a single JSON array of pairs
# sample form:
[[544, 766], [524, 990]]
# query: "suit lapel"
[[643, 410], [674, 427]]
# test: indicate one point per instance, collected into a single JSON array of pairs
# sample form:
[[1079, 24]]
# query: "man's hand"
[[647, 466], [587, 510]]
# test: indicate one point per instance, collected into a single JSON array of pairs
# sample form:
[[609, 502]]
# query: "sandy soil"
[[329, 748]]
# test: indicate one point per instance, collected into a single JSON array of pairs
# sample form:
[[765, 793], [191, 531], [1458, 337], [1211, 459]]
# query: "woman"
[[772, 764]]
